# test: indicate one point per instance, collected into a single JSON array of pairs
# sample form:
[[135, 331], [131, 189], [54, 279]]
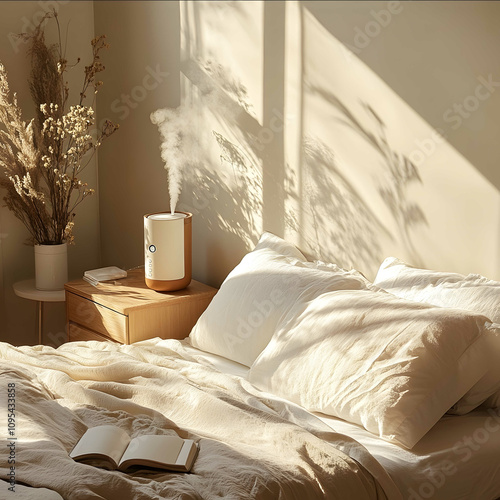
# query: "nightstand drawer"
[[77, 333], [127, 311], [98, 318]]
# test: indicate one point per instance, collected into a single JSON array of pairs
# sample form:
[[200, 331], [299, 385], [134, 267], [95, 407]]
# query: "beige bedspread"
[[251, 444]]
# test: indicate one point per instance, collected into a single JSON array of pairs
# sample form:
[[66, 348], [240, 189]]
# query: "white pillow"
[[243, 315], [473, 293], [393, 366]]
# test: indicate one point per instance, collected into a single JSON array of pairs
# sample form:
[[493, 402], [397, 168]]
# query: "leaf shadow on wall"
[[320, 203], [224, 191], [399, 173], [210, 198], [344, 227], [227, 205], [345, 230]]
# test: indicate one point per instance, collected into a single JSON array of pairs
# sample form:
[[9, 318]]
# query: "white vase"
[[51, 266]]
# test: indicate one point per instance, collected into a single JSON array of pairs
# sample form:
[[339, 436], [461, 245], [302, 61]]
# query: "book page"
[[102, 440], [156, 448]]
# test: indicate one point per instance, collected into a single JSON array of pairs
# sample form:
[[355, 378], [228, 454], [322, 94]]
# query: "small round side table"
[[27, 290]]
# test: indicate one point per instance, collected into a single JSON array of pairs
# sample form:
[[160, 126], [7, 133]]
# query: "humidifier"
[[167, 250]]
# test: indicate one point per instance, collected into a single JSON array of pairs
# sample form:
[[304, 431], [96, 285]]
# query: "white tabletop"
[[27, 290]]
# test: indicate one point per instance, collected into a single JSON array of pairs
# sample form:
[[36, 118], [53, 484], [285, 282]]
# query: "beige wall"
[[17, 316], [431, 54], [301, 137], [142, 75]]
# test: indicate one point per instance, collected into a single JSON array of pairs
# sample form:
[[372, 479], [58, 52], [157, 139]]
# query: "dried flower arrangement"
[[43, 159]]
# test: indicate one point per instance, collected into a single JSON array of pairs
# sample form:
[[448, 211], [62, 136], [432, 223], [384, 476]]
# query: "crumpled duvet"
[[251, 445]]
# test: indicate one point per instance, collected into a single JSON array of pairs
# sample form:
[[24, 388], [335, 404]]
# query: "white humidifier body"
[[167, 250]]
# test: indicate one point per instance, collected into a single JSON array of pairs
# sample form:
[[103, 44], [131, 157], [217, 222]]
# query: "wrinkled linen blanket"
[[251, 445]]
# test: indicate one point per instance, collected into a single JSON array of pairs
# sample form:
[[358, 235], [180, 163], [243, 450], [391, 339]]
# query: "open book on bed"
[[110, 447]]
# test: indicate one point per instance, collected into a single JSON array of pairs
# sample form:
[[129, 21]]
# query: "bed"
[[251, 446], [292, 384], [457, 459]]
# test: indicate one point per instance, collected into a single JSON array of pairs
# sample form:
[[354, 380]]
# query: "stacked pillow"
[[331, 341], [272, 279], [472, 293]]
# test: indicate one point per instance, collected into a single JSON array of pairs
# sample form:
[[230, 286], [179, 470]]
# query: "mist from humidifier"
[[171, 124]]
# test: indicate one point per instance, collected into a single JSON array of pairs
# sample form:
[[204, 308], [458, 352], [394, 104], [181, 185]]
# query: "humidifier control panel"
[[149, 261]]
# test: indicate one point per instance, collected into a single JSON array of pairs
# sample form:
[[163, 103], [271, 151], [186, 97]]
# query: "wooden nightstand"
[[128, 311]]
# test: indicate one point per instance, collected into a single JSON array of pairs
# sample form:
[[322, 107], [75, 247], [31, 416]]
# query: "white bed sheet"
[[458, 459]]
